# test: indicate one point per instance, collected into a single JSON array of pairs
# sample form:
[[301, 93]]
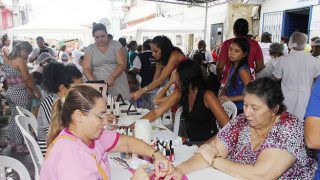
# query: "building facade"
[[282, 19]]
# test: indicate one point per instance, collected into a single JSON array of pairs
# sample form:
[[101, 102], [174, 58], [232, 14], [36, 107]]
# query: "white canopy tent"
[[51, 31], [162, 26]]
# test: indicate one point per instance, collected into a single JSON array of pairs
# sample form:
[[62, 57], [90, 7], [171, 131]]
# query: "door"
[[216, 35]]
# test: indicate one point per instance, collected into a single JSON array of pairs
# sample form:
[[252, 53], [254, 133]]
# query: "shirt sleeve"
[[137, 62], [209, 56], [109, 139], [314, 101], [229, 134], [259, 54], [317, 68], [117, 46], [223, 56]]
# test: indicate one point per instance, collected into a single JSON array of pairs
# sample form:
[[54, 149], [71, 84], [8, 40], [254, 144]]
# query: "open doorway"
[[296, 20]]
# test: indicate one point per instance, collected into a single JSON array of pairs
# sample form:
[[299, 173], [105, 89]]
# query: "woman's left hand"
[[162, 166], [110, 81]]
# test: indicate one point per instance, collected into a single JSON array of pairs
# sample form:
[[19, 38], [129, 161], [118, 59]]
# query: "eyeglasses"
[[101, 116]]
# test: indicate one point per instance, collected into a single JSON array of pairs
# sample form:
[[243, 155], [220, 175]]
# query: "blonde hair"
[[80, 97]]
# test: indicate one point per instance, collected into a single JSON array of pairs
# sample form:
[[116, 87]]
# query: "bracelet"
[[214, 158], [154, 154], [145, 89]]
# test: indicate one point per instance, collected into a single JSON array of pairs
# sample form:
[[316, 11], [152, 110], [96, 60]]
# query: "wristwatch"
[[214, 158], [145, 89]]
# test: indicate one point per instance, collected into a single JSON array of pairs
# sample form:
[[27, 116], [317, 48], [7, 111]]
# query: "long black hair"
[[190, 75], [245, 47], [166, 46]]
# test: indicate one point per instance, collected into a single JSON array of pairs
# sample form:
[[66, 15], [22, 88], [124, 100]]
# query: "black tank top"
[[148, 68], [201, 125]]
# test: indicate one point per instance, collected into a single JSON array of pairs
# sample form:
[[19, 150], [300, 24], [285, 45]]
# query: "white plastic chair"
[[230, 108], [33, 120], [17, 166], [23, 123], [166, 119], [177, 119]]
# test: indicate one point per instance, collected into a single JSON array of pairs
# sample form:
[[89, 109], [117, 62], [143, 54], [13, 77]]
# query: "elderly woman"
[[276, 51], [79, 144], [297, 71], [106, 60], [265, 142]]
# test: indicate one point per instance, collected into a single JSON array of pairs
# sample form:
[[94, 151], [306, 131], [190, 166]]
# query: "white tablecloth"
[[182, 153]]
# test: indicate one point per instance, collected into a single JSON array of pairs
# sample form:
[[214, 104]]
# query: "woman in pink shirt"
[[79, 144]]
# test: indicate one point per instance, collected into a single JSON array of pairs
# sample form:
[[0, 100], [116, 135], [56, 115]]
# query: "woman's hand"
[[175, 175], [208, 152], [140, 174], [110, 81], [162, 166], [224, 98], [37, 94], [136, 95]]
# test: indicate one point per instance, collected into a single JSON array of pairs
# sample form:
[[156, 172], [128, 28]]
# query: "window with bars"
[[272, 23]]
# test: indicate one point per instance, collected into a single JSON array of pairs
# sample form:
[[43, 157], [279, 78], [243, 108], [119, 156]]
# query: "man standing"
[[40, 49], [145, 65], [240, 29]]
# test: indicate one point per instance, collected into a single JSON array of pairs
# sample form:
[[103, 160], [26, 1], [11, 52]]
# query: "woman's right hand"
[[136, 95]]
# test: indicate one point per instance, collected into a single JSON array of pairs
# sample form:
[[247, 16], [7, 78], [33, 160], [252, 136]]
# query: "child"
[[239, 74]]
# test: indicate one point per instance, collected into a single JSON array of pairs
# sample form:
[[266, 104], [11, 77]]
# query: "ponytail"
[[56, 122]]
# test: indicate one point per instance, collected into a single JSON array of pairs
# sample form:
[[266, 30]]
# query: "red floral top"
[[286, 134]]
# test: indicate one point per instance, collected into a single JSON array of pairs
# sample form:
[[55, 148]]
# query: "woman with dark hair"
[[57, 78], [106, 60], [5, 45], [239, 74], [79, 144], [201, 108], [265, 142], [168, 57], [21, 88]]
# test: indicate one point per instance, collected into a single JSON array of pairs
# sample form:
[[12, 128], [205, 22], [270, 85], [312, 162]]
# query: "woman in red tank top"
[[168, 57]]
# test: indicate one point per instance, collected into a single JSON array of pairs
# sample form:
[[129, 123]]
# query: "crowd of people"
[[275, 87]]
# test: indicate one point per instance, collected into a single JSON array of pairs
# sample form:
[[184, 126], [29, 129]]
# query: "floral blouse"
[[286, 134]]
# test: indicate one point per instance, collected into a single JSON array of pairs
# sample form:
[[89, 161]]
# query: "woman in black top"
[[201, 107]]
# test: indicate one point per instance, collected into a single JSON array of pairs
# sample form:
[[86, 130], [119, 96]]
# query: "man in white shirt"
[[297, 71], [202, 50], [40, 49]]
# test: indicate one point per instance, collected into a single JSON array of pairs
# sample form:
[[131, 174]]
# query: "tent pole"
[[205, 23]]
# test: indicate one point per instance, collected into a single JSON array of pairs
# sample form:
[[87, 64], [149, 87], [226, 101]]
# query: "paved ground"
[[25, 159]]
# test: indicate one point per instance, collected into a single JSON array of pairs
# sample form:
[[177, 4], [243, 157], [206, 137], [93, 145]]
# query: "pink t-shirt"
[[71, 159]]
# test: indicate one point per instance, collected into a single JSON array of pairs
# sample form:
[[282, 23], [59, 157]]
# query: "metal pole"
[[205, 23]]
